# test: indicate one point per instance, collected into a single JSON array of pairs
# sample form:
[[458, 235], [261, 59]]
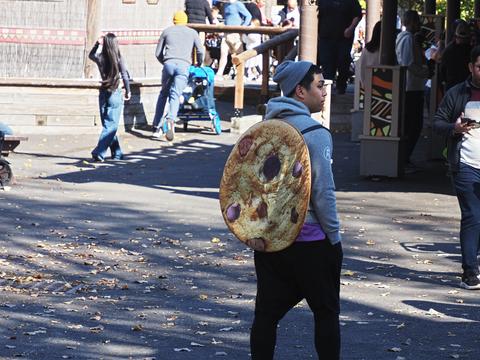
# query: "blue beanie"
[[289, 74]]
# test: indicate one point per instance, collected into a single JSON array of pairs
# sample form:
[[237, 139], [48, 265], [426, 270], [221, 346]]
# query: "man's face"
[[292, 4], [475, 71], [314, 98]]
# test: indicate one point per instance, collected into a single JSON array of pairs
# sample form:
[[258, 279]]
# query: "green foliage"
[[466, 7]]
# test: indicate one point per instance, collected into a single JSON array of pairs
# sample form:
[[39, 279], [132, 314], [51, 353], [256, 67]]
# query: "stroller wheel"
[[6, 174], [217, 126]]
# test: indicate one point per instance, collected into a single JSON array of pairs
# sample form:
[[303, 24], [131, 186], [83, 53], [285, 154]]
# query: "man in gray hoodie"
[[174, 51], [410, 54], [310, 268]]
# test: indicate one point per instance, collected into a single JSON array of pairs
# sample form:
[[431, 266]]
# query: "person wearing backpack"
[[309, 268]]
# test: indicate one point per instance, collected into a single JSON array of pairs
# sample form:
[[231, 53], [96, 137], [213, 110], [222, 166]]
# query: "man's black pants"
[[305, 270], [333, 55]]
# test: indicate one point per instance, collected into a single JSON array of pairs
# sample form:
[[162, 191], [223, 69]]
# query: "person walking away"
[[337, 21], [455, 59], [106, 54], [410, 54], [174, 52], [463, 154], [310, 268]]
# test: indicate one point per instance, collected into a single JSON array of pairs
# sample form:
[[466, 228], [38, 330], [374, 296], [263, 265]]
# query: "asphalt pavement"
[[132, 260]]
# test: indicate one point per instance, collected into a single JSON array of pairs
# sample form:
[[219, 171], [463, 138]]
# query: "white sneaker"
[[157, 133]]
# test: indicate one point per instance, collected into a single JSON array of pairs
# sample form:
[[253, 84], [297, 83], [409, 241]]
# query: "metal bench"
[[8, 143]]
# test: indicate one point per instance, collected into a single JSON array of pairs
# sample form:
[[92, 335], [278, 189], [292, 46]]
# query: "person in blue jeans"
[[106, 54], [174, 52], [458, 118]]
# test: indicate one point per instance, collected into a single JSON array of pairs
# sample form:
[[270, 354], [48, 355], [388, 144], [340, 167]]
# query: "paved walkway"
[[132, 260]]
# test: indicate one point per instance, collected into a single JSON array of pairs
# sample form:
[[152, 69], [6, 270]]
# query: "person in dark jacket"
[[454, 65], [337, 21], [463, 153], [197, 11], [254, 10]]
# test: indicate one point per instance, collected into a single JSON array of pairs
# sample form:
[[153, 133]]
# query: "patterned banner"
[[42, 36], [75, 37], [136, 37], [381, 108]]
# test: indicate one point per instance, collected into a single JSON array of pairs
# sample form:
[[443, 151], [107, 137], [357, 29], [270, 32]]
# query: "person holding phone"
[[106, 54], [463, 153]]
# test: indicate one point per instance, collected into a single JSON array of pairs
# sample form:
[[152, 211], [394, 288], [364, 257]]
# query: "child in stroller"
[[197, 101]]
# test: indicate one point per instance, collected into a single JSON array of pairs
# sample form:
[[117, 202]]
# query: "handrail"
[[240, 59], [287, 35], [220, 28]]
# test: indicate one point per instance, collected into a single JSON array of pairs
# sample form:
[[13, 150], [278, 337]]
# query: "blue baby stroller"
[[197, 101]]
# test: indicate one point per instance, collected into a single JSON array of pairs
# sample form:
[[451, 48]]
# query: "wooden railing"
[[282, 35]]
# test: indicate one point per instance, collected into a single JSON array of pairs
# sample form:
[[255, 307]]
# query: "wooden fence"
[[48, 39]]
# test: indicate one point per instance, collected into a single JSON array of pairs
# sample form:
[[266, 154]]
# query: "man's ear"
[[300, 92], [470, 67]]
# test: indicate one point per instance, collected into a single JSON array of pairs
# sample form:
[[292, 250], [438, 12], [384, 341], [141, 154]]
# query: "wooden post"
[[453, 13], [239, 87], [374, 8], [387, 44], [430, 7], [92, 32], [308, 31], [265, 75]]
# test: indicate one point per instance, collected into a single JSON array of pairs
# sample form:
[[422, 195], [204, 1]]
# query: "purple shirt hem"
[[311, 232]]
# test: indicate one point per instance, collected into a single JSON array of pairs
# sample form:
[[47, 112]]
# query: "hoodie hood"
[[283, 107]]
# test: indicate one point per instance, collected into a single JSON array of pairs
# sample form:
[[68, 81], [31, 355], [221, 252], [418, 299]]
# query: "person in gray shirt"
[[174, 51]]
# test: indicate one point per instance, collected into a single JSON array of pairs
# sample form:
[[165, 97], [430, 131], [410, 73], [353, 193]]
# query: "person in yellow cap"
[[174, 51]]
